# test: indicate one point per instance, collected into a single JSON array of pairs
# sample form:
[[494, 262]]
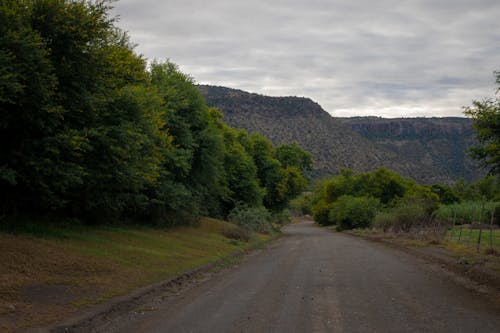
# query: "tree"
[[384, 184], [293, 155], [349, 212], [486, 116], [241, 171], [80, 122], [193, 173], [87, 131], [27, 90]]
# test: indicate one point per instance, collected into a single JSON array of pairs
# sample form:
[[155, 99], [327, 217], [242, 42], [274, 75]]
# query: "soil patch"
[[48, 294]]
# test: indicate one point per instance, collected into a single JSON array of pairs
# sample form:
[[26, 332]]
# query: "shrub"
[[402, 218], [302, 204], [251, 218], [384, 221], [350, 212], [236, 233], [281, 218], [320, 212]]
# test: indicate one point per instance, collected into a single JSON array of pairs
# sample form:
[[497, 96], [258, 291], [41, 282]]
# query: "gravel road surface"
[[315, 280]]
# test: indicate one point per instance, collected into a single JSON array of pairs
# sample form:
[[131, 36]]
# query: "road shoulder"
[[477, 272]]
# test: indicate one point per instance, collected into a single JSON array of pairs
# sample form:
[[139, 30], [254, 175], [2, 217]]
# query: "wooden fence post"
[[480, 226], [491, 225]]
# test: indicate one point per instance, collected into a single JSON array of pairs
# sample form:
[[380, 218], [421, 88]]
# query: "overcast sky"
[[387, 58]]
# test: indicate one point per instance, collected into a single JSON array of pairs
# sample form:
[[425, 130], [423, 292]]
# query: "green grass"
[[98, 263], [469, 237]]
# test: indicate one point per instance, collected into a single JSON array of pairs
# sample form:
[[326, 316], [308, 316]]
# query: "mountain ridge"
[[359, 143]]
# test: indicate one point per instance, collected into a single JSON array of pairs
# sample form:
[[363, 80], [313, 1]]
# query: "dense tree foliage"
[[487, 189], [293, 155], [349, 212], [88, 130], [384, 199], [486, 116], [352, 200], [79, 123]]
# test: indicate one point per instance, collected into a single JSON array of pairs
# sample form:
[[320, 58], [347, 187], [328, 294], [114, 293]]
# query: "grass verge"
[[45, 279]]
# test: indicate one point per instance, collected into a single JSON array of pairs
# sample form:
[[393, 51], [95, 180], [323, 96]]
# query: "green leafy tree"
[[384, 184], [349, 212], [486, 116], [380, 183], [446, 194], [282, 183], [29, 112], [241, 171], [80, 125], [291, 185], [193, 174], [88, 131], [293, 155], [352, 200], [321, 212]]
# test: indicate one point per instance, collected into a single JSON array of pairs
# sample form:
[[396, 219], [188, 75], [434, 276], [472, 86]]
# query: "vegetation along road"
[[314, 280]]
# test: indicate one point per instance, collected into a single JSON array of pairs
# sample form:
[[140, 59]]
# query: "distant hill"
[[438, 143], [428, 150]]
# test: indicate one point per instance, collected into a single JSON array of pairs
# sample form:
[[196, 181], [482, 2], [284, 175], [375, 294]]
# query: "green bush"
[[385, 221], [251, 218], [281, 218], [302, 203], [402, 218], [320, 212], [350, 212]]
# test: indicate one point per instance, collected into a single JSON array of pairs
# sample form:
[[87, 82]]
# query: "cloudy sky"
[[354, 57]]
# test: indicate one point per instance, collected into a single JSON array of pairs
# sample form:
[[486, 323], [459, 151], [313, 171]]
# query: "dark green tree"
[[80, 124], [486, 116], [241, 171], [194, 174], [293, 155]]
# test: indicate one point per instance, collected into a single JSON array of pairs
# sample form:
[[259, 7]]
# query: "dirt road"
[[314, 280]]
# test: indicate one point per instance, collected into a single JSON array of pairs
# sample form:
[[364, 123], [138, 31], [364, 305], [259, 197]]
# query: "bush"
[[402, 218], [350, 212], [302, 204], [320, 212], [251, 218], [385, 221], [281, 218], [236, 233]]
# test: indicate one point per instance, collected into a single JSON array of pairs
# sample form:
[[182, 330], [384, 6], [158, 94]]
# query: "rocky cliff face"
[[411, 128], [358, 143], [438, 143]]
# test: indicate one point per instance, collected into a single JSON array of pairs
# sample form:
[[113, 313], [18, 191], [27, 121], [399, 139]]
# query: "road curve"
[[314, 280]]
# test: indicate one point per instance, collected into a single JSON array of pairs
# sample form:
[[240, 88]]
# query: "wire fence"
[[473, 224], [476, 235]]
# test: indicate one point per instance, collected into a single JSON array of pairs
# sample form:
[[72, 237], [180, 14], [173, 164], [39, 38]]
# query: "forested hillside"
[[90, 132], [429, 151]]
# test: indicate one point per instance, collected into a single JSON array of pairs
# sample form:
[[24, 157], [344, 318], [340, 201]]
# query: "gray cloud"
[[389, 58]]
